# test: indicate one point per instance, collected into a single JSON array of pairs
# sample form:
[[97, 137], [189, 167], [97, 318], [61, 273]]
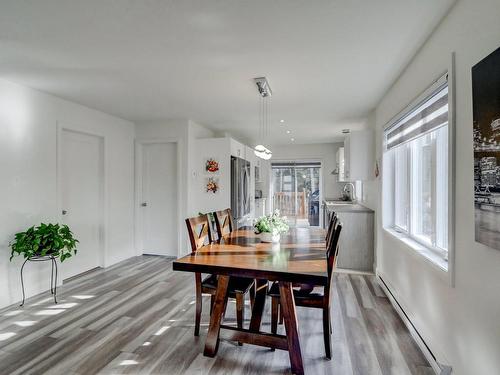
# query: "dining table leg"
[[258, 305], [220, 302], [287, 303]]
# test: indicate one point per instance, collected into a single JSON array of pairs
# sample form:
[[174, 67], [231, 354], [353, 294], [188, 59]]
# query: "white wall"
[[185, 132], [460, 324], [196, 153], [28, 188], [219, 149]]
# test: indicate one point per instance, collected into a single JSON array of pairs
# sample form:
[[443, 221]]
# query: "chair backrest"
[[224, 222], [332, 250], [331, 228], [199, 231], [330, 225]]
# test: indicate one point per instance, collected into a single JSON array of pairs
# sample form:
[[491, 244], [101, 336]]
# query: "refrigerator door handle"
[[234, 188], [245, 191]]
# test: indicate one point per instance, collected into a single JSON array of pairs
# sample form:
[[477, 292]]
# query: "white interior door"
[[82, 165], [159, 199]]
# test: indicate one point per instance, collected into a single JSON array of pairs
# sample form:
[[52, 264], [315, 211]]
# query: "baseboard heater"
[[438, 368]]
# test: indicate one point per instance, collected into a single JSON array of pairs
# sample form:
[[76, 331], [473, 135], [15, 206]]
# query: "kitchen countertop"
[[342, 206]]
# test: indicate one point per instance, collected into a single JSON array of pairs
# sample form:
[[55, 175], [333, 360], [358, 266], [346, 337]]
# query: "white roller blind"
[[421, 119]]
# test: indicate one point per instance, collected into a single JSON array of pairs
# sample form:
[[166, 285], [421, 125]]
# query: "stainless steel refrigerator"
[[240, 191]]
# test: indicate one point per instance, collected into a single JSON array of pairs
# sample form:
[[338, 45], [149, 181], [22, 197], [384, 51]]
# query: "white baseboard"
[[438, 368]]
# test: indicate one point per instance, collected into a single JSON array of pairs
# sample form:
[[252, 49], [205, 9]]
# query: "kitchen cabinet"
[[356, 243], [260, 207], [238, 149], [250, 156], [258, 170], [355, 161]]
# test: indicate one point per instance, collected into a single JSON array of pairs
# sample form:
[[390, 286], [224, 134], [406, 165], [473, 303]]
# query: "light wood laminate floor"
[[137, 318]]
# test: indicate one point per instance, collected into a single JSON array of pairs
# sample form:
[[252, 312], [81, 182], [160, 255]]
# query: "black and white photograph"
[[486, 109]]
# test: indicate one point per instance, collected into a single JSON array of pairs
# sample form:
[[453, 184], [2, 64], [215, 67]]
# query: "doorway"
[[158, 198], [82, 191], [296, 191]]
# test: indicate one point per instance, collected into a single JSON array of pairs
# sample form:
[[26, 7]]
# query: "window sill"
[[430, 256]]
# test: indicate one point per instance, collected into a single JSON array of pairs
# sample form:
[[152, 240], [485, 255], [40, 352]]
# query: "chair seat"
[[236, 284], [317, 293]]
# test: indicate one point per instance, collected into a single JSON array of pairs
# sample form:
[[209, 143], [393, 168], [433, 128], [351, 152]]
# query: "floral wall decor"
[[212, 185], [212, 166]]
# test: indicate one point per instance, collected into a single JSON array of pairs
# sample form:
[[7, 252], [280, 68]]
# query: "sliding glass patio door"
[[296, 191]]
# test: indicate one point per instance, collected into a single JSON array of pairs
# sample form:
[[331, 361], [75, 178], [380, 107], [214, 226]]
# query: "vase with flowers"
[[270, 227]]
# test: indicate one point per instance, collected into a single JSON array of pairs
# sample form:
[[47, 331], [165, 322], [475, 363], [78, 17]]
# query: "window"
[[416, 166]]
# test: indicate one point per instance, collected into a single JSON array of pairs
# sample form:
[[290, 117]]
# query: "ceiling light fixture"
[[282, 121], [288, 132], [265, 93], [292, 139]]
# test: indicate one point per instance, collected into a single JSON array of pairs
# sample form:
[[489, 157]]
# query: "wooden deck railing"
[[287, 201]]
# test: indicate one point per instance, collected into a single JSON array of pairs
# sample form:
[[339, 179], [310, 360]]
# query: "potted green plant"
[[271, 226], [44, 240]]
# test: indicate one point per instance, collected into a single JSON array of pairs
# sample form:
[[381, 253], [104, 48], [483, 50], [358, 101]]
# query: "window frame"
[[398, 228], [443, 259], [432, 244]]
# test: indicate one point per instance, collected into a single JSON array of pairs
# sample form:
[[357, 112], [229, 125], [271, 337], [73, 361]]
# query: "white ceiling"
[[328, 62]]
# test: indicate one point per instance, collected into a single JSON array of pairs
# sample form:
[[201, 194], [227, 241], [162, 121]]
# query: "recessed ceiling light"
[[282, 121], [292, 139], [288, 132]]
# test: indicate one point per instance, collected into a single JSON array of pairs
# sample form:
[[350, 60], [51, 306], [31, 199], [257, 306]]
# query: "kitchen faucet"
[[351, 194]]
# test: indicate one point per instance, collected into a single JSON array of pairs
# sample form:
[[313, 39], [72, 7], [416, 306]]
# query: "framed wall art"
[[486, 122]]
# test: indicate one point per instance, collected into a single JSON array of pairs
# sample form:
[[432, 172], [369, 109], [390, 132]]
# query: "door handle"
[[64, 212], [144, 204]]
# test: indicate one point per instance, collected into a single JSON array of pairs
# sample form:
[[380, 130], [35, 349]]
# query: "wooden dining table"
[[299, 258]]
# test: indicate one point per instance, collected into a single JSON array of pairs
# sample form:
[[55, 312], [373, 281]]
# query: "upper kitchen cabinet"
[[355, 159], [250, 156], [238, 149]]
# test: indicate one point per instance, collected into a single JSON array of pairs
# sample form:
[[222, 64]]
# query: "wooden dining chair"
[[225, 225], [331, 229], [224, 222], [307, 288], [320, 299], [330, 225], [199, 235]]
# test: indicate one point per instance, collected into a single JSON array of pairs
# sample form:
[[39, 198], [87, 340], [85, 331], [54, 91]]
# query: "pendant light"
[[265, 93]]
